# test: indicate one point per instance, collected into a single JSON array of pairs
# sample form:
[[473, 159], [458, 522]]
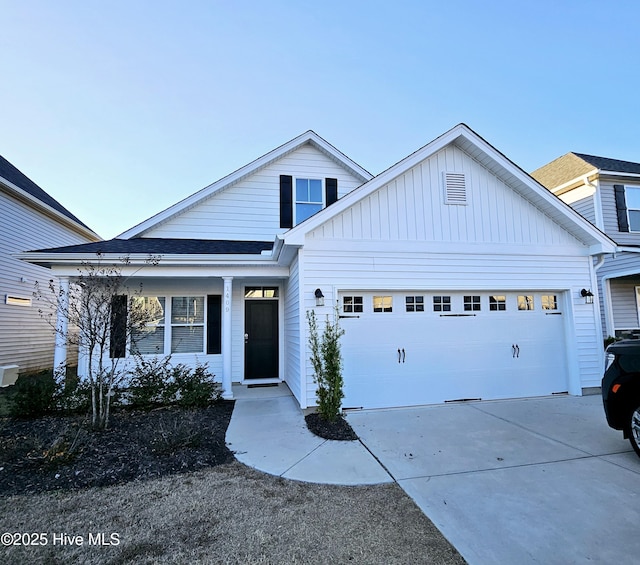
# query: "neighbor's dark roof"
[[574, 165], [14, 176], [158, 246]]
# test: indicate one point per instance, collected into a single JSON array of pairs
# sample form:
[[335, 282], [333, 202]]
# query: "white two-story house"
[[454, 274], [607, 193]]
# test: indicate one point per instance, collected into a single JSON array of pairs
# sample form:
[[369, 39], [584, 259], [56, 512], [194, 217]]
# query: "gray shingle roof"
[[159, 246], [19, 179], [574, 165]]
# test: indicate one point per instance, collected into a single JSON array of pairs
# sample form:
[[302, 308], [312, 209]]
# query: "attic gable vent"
[[455, 188]]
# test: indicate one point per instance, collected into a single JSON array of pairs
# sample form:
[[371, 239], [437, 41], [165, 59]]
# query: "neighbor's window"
[[442, 304], [525, 302], [414, 303], [187, 324], [632, 197], [549, 302], [382, 304], [497, 302], [352, 304], [150, 339], [471, 303], [308, 198]]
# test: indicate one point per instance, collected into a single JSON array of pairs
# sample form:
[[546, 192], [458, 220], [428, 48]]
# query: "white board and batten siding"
[[249, 210], [25, 338], [402, 239], [293, 330]]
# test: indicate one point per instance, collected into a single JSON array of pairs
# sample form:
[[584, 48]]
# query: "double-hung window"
[[187, 324], [308, 198], [149, 340], [632, 196]]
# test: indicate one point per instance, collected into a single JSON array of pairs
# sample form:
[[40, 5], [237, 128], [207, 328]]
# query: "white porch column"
[[62, 324], [227, 299]]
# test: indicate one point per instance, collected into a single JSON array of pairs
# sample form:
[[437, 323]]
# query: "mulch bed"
[[62, 453], [339, 429]]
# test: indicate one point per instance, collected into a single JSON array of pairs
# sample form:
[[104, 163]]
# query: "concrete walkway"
[[268, 432]]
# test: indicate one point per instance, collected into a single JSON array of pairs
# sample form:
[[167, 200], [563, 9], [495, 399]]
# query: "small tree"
[[105, 317], [326, 360]]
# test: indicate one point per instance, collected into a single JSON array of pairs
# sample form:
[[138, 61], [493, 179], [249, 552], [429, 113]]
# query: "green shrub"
[[155, 382], [195, 387], [34, 395], [150, 383], [326, 360]]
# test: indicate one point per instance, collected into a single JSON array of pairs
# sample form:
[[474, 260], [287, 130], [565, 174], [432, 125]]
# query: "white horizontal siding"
[[412, 207], [250, 209], [25, 338], [332, 267], [292, 331]]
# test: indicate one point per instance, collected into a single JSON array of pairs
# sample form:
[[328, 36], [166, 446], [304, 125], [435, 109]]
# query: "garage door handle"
[[403, 354], [399, 355], [516, 351]]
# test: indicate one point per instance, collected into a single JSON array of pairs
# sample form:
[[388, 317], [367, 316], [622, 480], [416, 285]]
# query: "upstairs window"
[[632, 196], [308, 198]]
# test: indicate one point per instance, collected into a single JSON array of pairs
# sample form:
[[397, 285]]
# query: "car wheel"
[[634, 428]]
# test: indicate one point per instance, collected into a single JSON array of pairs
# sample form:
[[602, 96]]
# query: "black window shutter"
[[214, 324], [286, 201], [118, 335], [331, 190], [621, 207]]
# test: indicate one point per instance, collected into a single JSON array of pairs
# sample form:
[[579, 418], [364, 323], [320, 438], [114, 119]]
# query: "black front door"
[[261, 339]]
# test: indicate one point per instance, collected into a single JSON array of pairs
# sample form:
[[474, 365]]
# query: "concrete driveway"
[[541, 480]]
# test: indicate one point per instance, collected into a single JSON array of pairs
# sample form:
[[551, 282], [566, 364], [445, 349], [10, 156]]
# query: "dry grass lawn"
[[226, 514]]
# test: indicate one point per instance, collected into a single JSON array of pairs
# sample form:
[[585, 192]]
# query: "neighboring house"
[[455, 274], [607, 193], [29, 219]]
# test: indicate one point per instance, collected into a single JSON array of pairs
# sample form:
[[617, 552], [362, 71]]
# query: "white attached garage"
[[412, 347], [456, 276]]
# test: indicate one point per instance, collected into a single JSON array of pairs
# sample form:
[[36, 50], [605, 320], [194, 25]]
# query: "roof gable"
[[493, 161], [12, 178], [307, 138]]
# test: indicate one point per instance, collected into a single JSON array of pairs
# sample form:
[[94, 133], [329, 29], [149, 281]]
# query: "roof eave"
[[47, 210]]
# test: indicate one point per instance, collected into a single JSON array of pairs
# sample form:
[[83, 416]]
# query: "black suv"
[[621, 389]]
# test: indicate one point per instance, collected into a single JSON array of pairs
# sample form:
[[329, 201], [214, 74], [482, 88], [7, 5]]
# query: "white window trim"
[[323, 197], [628, 208]]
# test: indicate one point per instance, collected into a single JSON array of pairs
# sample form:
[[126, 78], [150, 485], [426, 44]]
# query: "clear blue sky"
[[119, 109]]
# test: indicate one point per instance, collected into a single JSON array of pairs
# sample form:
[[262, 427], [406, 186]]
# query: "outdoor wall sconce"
[[319, 297], [587, 295]]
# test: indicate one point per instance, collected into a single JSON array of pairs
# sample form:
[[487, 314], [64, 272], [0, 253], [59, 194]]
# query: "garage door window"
[[442, 304], [471, 303], [549, 302], [382, 304], [497, 303], [352, 304], [525, 302], [414, 303]]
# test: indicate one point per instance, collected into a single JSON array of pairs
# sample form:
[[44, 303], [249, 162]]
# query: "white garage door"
[[410, 348]]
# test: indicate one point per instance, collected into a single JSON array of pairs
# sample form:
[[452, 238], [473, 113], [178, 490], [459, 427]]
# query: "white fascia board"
[[186, 271], [208, 191], [574, 183], [137, 260], [619, 174], [47, 210], [622, 248]]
